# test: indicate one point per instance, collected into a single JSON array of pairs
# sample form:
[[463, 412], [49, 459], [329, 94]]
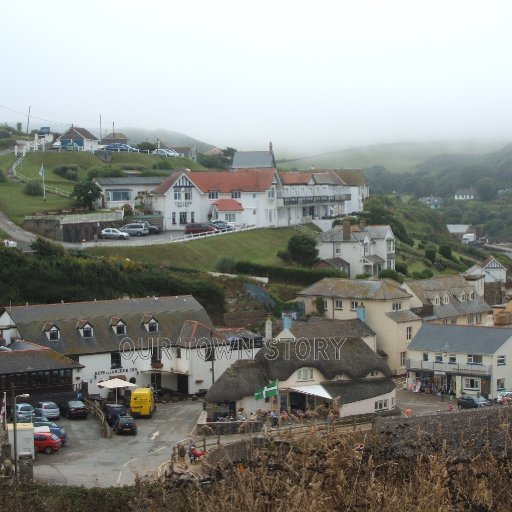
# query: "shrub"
[[430, 253], [226, 265], [391, 274], [71, 174], [401, 266], [33, 188], [3, 179], [285, 256], [320, 306], [302, 249], [446, 251], [363, 276]]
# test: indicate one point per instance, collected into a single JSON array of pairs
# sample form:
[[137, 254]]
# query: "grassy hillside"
[[150, 161], [395, 157], [259, 246]]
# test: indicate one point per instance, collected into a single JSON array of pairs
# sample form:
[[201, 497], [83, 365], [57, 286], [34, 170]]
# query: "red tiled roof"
[[254, 180], [228, 205], [295, 178]]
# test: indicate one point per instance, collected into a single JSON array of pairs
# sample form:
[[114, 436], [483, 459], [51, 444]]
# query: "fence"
[[95, 409], [78, 218]]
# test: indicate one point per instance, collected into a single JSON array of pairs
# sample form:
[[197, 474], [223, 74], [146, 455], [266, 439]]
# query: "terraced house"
[[383, 304]]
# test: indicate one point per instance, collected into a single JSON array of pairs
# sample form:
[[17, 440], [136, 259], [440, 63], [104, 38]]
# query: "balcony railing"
[[459, 368], [304, 200]]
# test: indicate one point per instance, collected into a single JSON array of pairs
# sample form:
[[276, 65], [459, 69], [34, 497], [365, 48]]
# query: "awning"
[[313, 389]]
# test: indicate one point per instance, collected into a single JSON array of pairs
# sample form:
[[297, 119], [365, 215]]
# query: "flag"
[[41, 171], [267, 391]]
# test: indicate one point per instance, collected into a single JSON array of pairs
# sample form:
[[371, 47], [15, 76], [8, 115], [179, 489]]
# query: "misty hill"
[[137, 135], [400, 157]]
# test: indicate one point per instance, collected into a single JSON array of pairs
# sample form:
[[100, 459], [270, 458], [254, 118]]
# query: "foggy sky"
[[309, 76]]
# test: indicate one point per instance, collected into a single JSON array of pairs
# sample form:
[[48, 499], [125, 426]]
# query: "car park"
[[74, 409], [195, 228], [223, 226], [112, 411], [114, 233], [24, 412], [47, 442], [124, 425], [135, 229], [472, 402], [54, 429], [49, 409]]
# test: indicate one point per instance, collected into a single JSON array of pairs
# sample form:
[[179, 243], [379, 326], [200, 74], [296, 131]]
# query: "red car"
[[47, 442], [195, 228]]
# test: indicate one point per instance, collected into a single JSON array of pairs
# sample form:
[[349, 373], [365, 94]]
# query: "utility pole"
[[28, 117], [101, 135]]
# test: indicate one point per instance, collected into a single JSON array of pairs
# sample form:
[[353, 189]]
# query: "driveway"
[[90, 460]]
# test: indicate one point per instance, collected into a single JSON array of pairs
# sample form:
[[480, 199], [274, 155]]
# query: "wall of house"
[[502, 371], [367, 406]]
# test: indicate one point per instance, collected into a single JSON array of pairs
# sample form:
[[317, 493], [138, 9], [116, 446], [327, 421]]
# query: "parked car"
[[49, 409], [135, 229], [504, 397], [153, 230], [165, 152], [472, 402], [112, 411], [47, 442], [114, 233], [54, 429], [24, 412], [200, 227], [118, 146], [74, 409], [124, 425], [71, 146], [223, 226]]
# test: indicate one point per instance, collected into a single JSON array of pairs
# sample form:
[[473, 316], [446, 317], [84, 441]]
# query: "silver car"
[[136, 228], [114, 233], [49, 409]]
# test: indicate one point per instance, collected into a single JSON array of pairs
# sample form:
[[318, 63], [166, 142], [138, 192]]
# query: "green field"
[[258, 246]]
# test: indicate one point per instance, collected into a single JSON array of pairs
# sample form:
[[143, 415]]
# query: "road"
[[90, 460]]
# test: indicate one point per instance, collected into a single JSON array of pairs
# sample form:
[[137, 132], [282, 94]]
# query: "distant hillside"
[[402, 157], [136, 135]]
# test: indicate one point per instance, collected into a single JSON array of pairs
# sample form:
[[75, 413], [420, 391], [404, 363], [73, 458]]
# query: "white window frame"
[[304, 374], [382, 405], [397, 305], [408, 333], [230, 217], [403, 359], [354, 305], [51, 334], [338, 304], [438, 358], [213, 194], [472, 383], [87, 328], [120, 326], [501, 360], [472, 357], [236, 194]]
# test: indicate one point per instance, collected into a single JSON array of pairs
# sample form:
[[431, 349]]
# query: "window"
[[178, 352], [381, 405], [174, 217], [213, 194], [464, 297], [120, 328], [438, 358], [156, 354], [236, 194], [452, 359], [397, 305], [87, 331], [192, 217], [473, 384], [390, 246], [271, 193], [353, 305], [338, 304], [326, 304], [402, 358], [230, 217], [500, 384], [501, 361], [374, 373], [153, 326], [446, 299], [437, 301], [305, 374], [453, 320], [115, 360], [118, 195], [472, 295], [177, 194], [474, 359], [425, 356], [188, 194], [54, 334], [478, 318], [183, 217], [408, 333], [471, 319]]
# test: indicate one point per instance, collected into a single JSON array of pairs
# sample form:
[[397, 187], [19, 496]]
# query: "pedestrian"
[[408, 412], [274, 419]]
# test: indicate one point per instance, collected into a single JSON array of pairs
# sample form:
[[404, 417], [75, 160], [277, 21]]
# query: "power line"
[[34, 117]]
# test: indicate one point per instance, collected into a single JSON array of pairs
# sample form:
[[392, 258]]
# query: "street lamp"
[[15, 423]]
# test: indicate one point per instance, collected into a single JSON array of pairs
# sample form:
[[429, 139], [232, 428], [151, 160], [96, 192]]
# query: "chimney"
[[362, 224], [268, 328], [346, 229], [270, 147]]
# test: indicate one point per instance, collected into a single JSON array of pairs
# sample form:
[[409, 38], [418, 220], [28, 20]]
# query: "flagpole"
[[44, 188]]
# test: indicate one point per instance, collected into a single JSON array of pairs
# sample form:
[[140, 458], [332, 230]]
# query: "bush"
[[446, 251], [3, 178], [226, 265], [363, 276], [71, 174], [285, 256], [302, 249], [391, 274], [33, 188], [401, 266], [163, 164], [430, 253], [320, 306]]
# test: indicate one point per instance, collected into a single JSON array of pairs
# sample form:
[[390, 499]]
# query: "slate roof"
[[115, 135], [463, 339], [316, 327], [194, 334], [356, 390], [253, 160], [405, 315], [29, 357], [455, 229], [170, 312], [77, 133], [375, 232], [130, 180], [351, 357], [384, 289]]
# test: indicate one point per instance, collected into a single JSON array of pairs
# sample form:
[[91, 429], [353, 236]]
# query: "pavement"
[[422, 403]]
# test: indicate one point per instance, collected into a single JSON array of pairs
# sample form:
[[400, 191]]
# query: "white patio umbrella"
[[116, 384]]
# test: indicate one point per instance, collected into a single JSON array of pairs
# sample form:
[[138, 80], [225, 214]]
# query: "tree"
[[229, 153], [18, 127], [486, 189], [86, 194], [146, 146], [302, 249]]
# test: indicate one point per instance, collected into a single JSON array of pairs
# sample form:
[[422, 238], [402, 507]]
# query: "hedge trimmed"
[[293, 275]]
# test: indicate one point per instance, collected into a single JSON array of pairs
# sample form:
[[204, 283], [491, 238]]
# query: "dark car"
[[472, 402], [74, 409], [124, 425], [112, 411], [223, 226], [200, 227], [153, 230]]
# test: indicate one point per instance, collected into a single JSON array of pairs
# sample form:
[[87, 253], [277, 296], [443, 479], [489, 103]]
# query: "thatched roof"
[[279, 360]]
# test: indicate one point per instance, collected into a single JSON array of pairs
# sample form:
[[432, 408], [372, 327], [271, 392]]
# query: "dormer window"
[[305, 374], [85, 329], [436, 301], [472, 296], [52, 331], [150, 323], [397, 305], [118, 326], [87, 332], [446, 299]]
